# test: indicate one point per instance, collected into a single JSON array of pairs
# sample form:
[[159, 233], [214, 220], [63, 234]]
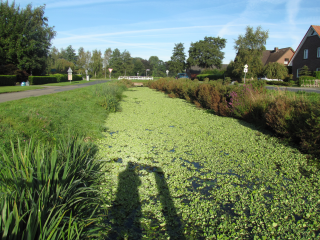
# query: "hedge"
[[201, 77], [37, 80], [279, 83], [316, 74], [8, 80], [64, 77], [303, 79]]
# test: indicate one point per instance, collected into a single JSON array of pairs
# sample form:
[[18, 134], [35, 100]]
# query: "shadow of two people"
[[125, 213]]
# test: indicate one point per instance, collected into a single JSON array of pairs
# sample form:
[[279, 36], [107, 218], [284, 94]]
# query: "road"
[[5, 97]]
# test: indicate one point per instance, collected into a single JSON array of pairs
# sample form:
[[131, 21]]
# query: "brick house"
[[307, 53], [282, 56]]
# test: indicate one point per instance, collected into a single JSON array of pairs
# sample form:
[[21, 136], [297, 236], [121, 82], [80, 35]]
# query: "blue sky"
[[151, 28]]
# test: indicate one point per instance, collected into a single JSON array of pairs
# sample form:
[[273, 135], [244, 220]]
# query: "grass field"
[[8, 89]]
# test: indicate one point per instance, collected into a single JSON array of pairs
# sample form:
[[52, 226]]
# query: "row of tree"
[[25, 41]]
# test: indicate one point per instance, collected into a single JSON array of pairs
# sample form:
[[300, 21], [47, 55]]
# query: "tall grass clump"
[[50, 192], [293, 116]]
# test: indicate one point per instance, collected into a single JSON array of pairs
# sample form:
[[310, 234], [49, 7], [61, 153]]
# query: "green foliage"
[[304, 71], [50, 194], [25, 37], [316, 74], [305, 80], [274, 70], [249, 49], [96, 62], [62, 66], [138, 67], [279, 83], [206, 53], [37, 80], [201, 77], [8, 80], [61, 77], [177, 64]]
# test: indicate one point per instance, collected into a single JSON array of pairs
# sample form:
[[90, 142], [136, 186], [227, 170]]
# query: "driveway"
[[5, 97]]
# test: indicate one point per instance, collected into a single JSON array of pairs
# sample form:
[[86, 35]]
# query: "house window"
[[298, 70], [305, 54], [318, 52], [286, 60]]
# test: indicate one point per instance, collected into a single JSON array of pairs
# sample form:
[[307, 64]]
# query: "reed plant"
[[50, 192]]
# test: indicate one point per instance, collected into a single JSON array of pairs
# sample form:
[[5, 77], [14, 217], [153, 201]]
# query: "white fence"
[[135, 78]]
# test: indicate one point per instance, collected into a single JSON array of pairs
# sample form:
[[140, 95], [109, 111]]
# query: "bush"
[[60, 77], [201, 77], [8, 80], [279, 83], [37, 80], [305, 80], [316, 74], [76, 77]]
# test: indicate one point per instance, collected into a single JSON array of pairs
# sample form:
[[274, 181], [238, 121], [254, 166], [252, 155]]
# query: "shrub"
[[76, 77], [37, 80], [316, 74], [60, 77], [306, 80], [201, 77], [279, 83], [8, 80]]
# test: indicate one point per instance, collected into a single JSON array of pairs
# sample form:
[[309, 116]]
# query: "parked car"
[[268, 79], [182, 75]]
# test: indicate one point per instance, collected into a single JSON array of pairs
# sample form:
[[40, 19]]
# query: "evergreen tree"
[[106, 59], [178, 59]]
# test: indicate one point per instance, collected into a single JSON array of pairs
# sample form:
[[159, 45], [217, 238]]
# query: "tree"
[[207, 52], [88, 60], [304, 71], [275, 70], [127, 62], [177, 63], [106, 58], [81, 59], [62, 66], [96, 62], [249, 49], [116, 62], [25, 37], [138, 67], [70, 54]]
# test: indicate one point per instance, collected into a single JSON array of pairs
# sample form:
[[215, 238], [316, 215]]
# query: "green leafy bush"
[[316, 74], [60, 77], [306, 80], [201, 77], [8, 80], [37, 80], [279, 83]]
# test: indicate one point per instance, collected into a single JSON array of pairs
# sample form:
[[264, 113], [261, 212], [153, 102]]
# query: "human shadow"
[[125, 213], [124, 216]]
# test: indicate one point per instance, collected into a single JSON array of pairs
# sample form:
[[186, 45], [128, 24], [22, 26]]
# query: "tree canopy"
[[249, 49], [177, 63], [25, 37], [207, 52], [275, 70]]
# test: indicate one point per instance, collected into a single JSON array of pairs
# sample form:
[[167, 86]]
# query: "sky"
[[152, 28]]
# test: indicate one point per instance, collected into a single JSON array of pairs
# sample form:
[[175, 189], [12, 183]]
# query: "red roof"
[[317, 29]]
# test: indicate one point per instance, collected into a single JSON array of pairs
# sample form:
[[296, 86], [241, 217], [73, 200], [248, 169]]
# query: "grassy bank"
[[8, 89], [50, 179], [294, 116], [175, 171]]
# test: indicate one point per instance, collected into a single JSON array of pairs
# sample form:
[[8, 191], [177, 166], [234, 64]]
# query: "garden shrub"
[[279, 83], [60, 77], [8, 80], [201, 77], [37, 80], [316, 74], [304, 79]]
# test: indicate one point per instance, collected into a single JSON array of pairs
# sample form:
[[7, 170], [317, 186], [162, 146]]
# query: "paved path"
[[5, 97]]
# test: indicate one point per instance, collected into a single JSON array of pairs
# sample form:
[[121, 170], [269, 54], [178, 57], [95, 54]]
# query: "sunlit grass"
[[8, 89]]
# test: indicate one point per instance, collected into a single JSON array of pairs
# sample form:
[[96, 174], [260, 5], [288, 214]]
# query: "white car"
[[268, 79]]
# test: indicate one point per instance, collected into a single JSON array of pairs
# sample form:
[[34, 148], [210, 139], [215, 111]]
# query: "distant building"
[[282, 56], [307, 53]]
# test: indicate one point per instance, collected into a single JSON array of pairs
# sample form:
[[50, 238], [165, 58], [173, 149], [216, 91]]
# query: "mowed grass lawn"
[[178, 172], [8, 89]]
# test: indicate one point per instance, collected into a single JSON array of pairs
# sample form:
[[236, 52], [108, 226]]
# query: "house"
[[307, 53], [282, 56]]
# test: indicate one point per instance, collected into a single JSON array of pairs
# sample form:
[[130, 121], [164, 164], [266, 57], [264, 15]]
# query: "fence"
[[135, 78]]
